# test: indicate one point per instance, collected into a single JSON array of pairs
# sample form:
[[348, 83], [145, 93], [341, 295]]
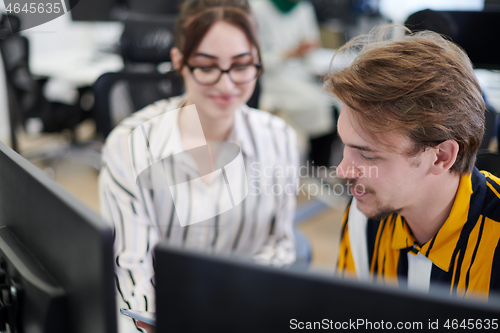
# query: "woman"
[[218, 56]]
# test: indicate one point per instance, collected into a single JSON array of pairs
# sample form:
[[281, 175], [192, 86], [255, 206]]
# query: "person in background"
[[288, 32], [217, 53], [412, 122]]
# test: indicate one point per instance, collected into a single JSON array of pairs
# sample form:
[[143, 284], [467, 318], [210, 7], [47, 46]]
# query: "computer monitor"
[[196, 292], [477, 35], [55, 253], [154, 7], [95, 10], [116, 10]]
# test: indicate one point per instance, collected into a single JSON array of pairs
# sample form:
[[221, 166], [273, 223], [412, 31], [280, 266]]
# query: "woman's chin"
[[217, 111]]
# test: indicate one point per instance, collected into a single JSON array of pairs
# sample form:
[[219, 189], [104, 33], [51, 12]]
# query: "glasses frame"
[[257, 74]]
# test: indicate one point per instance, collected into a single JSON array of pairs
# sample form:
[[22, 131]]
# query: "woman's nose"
[[225, 84]]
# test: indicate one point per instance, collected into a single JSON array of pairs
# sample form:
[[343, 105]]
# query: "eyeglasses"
[[239, 74]]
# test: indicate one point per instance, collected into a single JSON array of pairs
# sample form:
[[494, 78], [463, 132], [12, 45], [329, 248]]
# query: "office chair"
[[490, 127], [147, 39], [489, 162], [117, 95], [485, 159], [26, 99], [146, 42]]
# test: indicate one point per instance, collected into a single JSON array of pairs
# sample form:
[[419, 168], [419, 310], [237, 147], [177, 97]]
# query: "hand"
[[148, 328], [302, 49]]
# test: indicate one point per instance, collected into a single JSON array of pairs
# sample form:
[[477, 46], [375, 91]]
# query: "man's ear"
[[176, 57], [445, 156]]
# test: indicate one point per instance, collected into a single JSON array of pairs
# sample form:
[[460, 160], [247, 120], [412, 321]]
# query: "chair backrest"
[[25, 98], [28, 92], [489, 162], [117, 95], [10, 23], [490, 123], [498, 134], [147, 39]]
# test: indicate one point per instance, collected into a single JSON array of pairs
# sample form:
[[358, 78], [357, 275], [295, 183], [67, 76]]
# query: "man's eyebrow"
[[362, 148], [199, 54]]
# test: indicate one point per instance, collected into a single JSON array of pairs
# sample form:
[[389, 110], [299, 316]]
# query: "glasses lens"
[[239, 74], [243, 73], [206, 75]]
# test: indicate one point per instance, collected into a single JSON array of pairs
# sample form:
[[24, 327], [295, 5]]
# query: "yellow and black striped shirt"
[[464, 254]]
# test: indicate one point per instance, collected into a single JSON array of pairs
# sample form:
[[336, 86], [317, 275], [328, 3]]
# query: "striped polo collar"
[[443, 246]]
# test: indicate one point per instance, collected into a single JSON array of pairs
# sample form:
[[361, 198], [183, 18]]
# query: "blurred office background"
[[56, 64]]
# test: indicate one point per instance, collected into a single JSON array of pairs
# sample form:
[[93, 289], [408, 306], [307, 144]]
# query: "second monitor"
[[201, 293]]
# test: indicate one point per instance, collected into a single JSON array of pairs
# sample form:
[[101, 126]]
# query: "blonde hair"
[[420, 85]]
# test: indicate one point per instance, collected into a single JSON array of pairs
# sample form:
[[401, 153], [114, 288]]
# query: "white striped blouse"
[[260, 227]]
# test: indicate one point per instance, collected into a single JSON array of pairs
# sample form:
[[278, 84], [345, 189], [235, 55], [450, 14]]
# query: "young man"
[[412, 122]]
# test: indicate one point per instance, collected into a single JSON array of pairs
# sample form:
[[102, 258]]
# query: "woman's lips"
[[223, 100]]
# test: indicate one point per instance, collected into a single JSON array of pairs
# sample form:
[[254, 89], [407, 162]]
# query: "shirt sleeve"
[[272, 55], [310, 22], [129, 209], [280, 247], [276, 38]]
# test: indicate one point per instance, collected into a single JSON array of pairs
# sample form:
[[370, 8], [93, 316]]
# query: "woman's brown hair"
[[420, 85], [197, 16]]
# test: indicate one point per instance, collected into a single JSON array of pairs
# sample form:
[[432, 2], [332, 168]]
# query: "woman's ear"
[[176, 57]]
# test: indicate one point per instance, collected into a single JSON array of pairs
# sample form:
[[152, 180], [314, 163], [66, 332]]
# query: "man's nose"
[[347, 168]]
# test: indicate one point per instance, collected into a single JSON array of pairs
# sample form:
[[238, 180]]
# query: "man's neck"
[[429, 214]]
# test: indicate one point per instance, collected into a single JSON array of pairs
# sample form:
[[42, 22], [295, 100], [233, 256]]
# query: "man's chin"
[[377, 214]]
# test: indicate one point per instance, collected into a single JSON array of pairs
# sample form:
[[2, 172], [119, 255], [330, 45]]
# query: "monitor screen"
[[200, 293], [115, 10], [477, 35], [49, 236], [94, 10], [154, 7]]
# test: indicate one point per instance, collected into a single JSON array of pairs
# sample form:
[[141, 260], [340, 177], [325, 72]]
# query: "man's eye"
[[368, 158]]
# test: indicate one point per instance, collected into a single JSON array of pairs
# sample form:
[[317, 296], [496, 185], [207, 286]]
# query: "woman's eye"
[[207, 69], [239, 67]]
